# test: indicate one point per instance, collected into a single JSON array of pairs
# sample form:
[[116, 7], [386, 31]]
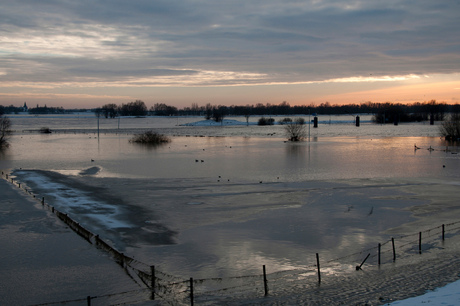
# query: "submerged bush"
[[295, 131], [285, 121], [450, 128], [45, 130], [150, 137], [266, 121]]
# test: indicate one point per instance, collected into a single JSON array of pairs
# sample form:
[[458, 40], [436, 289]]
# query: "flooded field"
[[220, 201]]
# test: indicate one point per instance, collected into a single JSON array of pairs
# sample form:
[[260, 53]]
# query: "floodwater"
[[222, 201]]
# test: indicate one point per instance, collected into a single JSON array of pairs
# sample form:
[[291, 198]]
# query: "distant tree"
[[109, 110], [98, 112], [46, 110], [295, 130], [247, 113], [219, 113], [390, 113], [285, 121], [5, 126], [266, 121], [208, 111], [161, 109], [195, 109], [11, 109], [136, 108], [436, 110], [283, 108]]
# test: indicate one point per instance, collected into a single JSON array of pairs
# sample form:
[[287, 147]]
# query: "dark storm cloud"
[[283, 41]]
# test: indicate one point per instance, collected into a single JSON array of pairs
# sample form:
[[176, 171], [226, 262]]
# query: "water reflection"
[[149, 146], [249, 158], [5, 159], [238, 201]]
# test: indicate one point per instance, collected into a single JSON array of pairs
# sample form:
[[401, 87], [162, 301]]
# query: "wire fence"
[[163, 288]]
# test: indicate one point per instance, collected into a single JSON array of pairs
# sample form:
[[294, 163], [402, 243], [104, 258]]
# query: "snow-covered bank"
[[76, 201], [224, 122], [448, 295]]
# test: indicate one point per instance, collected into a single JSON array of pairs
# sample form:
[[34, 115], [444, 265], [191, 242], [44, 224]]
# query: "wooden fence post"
[[359, 267], [380, 247], [152, 281], [319, 272], [191, 291], [265, 281], [394, 250], [88, 300], [443, 231], [420, 242]]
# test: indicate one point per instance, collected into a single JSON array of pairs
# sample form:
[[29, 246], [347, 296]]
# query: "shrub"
[[150, 137], [45, 130], [285, 121], [295, 131], [450, 128], [300, 121], [265, 121]]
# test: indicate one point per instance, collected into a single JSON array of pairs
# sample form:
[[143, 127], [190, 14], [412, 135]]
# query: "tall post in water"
[[420, 242], [191, 291], [319, 272], [98, 126], [394, 250], [152, 281], [265, 281]]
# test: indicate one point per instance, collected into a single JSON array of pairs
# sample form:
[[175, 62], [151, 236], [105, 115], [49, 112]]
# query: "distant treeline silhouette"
[[11, 109], [383, 112]]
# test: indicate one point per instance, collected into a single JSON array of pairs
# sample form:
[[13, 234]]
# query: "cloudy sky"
[[87, 53]]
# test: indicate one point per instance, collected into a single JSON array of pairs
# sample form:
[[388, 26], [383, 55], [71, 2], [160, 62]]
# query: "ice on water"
[[77, 202]]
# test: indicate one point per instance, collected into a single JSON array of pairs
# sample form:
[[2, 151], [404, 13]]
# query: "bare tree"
[[110, 110], [5, 125], [295, 131], [247, 114], [136, 108], [450, 127]]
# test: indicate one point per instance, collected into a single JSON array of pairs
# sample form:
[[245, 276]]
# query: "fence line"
[[175, 290]]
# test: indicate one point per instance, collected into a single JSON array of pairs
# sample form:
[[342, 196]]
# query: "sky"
[[87, 53]]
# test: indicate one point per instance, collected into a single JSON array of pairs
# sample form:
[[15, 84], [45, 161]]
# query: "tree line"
[[11, 109], [383, 112]]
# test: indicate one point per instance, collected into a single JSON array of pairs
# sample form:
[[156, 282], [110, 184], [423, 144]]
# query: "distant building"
[[25, 108]]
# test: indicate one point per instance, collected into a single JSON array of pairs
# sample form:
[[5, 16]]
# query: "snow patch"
[[77, 202]]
